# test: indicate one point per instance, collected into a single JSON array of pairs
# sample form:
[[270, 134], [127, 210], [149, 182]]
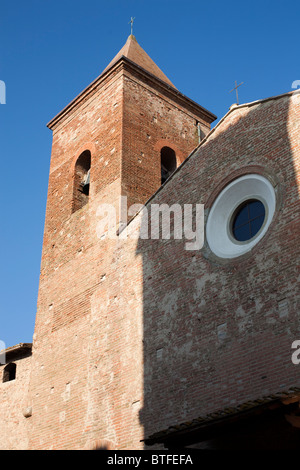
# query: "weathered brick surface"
[[126, 339], [13, 403], [153, 120], [188, 296], [87, 372]]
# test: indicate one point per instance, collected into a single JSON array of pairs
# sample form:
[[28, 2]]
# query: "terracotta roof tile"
[[134, 52]]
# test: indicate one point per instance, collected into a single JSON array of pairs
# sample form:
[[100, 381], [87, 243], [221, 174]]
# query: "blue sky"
[[51, 50]]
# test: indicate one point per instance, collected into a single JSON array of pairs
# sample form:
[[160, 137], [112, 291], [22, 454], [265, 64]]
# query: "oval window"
[[240, 216], [248, 220]]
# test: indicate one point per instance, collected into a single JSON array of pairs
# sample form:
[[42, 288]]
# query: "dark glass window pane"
[[256, 208], [248, 220], [242, 233], [242, 216], [256, 224]]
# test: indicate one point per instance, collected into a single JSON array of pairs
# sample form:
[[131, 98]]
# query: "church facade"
[[163, 336]]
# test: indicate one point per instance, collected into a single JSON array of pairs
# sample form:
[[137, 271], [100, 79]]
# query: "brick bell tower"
[[123, 135]]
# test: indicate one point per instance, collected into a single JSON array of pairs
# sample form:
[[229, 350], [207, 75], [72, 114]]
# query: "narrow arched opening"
[[168, 163], [81, 188], [9, 372]]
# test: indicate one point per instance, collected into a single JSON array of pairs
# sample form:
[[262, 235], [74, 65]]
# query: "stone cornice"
[[125, 64]]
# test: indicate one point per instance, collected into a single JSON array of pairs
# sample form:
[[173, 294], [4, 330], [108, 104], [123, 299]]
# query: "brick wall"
[[153, 120], [87, 374], [132, 335], [13, 406], [215, 332]]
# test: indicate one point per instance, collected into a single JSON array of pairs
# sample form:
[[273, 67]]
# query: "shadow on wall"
[[102, 444], [215, 332]]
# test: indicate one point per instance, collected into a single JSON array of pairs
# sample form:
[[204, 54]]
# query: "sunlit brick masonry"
[[167, 341]]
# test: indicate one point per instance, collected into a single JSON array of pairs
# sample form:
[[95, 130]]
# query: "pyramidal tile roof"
[[134, 52]]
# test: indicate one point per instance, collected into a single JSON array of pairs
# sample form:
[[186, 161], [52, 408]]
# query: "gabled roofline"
[[124, 60], [232, 108]]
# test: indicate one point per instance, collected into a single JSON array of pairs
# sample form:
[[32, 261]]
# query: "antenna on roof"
[[131, 22], [236, 90]]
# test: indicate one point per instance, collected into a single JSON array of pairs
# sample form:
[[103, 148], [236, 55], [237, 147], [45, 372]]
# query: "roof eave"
[[15, 350], [198, 429], [104, 75]]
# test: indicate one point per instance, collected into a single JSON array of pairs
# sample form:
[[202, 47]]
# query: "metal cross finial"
[[131, 22], [236, 89]]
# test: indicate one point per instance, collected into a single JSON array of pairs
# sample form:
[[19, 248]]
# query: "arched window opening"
[[82, 180], [168, 163], [9, 372]]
